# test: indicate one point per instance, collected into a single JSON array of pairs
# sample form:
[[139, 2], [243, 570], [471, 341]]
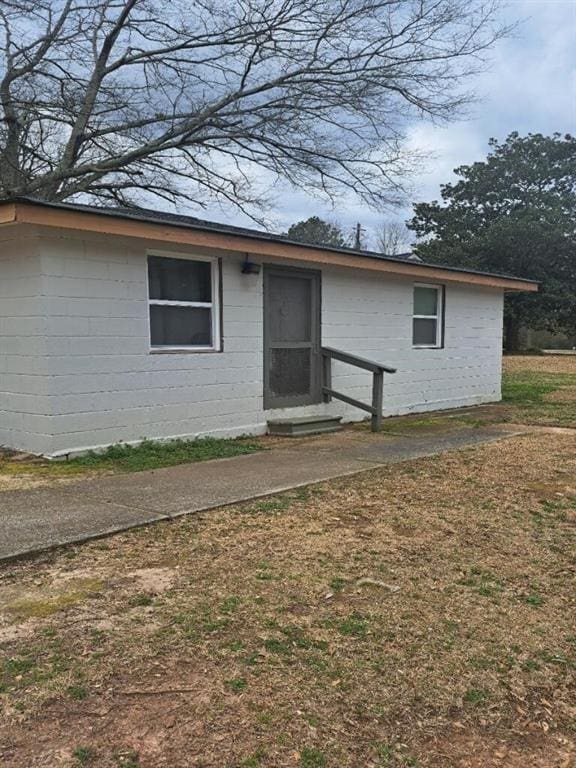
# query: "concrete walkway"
[[48, 516]]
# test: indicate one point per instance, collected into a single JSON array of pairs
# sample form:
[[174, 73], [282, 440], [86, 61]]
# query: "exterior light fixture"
[[250, 267]]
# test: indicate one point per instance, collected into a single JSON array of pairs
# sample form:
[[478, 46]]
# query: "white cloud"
[[529, 87]]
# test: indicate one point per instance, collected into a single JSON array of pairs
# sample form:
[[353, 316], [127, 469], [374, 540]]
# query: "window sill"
[[183, 351], [427, 346]]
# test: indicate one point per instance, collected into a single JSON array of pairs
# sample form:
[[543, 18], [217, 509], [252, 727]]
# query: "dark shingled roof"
[[191, 222]]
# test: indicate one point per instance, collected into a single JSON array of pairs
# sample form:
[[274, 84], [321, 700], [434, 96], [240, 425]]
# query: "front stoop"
[[304, 425]]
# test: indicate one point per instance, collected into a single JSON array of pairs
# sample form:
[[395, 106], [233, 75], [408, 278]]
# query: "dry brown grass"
[[417, 615], [541, 363]]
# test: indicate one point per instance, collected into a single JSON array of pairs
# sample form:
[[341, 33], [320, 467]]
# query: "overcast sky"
[[530, 87]]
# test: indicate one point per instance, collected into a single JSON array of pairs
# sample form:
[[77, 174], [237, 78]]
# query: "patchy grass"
[[45, 603], [150, 454], [78, 692], [153, 454], [237, 684], [312, 758], [537, 390], [437, 421], [84, 755], [540, 390], [404, 617]]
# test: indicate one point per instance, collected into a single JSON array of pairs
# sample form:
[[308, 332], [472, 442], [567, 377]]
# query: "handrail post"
[[326, 377], [377, 400], [377, 370]]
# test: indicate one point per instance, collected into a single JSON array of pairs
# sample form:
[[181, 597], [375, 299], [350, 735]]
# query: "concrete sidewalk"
[[41, 518]]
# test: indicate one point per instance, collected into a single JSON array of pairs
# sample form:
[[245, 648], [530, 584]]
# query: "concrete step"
[[304, 425]]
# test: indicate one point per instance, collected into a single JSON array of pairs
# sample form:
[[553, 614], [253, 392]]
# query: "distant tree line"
[[389, 237], [512, 213]]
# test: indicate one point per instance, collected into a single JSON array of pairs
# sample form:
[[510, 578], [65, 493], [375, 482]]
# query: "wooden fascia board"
[[80, 221], [8, 213]]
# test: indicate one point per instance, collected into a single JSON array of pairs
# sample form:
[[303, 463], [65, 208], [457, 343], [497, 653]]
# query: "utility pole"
[[358, 237]]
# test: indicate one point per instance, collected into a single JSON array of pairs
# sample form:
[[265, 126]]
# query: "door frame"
[[315, 396]]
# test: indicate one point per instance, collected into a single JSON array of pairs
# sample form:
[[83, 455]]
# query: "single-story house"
[[118, 325]]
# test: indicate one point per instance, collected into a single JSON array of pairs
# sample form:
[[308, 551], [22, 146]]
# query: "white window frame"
[[439, 343], [213, 305]]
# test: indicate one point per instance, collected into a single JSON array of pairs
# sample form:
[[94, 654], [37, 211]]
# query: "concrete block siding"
[[24, 374], [76, 371]]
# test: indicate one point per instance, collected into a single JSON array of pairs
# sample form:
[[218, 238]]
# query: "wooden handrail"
[[376, 369], [359, 362]]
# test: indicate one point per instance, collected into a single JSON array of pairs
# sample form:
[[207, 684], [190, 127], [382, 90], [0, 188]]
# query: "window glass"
[[180, 326], [427, 327], [179, 279], [183, 309], [424, 332], [425, 301]]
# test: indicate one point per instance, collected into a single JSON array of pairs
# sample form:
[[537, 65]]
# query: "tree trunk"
[[511, 334]]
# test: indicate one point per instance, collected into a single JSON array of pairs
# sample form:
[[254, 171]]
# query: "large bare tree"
[[200, 100], [392, 238]]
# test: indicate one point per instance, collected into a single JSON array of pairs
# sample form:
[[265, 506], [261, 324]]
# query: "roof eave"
[[104, 223]]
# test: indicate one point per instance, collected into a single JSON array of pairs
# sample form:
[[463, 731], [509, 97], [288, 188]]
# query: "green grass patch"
[[78, 692], [556, 658], [525, 391], [355, 625], [535, 600], [281, 502], [475, 696], [201, 624], [149, 454], [34, 666], [84, 755], [255, 759], [230, 604], [408, 423], [295, 639], [385, 753], [338, 583], [141, 600], [312, 758], [483, 582], [152, 454], [15, 670], [237, 684]]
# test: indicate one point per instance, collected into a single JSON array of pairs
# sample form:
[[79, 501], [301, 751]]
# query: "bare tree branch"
[[119, 100], [392, 238]]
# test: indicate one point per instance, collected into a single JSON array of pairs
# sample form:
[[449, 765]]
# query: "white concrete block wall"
[[373, 316], [105, 384], [99, 384], [24, 397]]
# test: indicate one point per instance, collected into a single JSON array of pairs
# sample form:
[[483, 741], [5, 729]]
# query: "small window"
[[427, 318], [183, 303]]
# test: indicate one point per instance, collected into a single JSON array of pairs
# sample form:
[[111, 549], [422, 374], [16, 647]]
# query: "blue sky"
[[530, 86]]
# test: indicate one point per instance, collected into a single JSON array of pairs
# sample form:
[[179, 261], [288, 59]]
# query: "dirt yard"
[[422, 615]]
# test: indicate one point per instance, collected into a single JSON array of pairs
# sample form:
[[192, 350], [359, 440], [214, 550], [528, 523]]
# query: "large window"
[[427, 323], [183, 303]]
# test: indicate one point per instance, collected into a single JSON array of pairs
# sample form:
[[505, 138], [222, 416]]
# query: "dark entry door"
[[291, 337]]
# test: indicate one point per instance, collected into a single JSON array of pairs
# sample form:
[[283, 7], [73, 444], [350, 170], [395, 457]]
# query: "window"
[[183, 303], [427, 328]]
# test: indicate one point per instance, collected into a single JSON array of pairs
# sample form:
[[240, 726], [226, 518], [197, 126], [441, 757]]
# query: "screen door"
[[291, 337]]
